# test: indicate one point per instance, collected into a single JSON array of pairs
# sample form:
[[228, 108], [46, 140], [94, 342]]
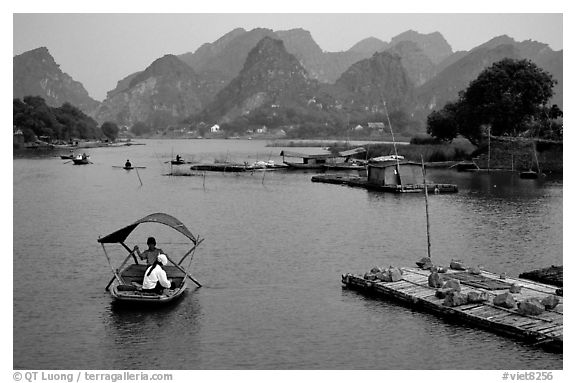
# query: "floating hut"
[[319, 161], [309, 161], [390, 174]]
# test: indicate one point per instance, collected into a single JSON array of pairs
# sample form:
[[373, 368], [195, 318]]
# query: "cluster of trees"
[[510, 98], [36, 119]]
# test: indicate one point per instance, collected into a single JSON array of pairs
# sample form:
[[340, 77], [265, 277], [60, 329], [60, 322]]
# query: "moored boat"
[[126, 284], [81, 159], [529, 174]]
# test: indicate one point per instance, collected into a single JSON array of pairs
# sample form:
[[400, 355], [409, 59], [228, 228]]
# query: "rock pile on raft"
[[450, 290], [379, 273]]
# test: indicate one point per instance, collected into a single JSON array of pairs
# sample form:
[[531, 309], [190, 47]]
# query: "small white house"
[[215, 128]]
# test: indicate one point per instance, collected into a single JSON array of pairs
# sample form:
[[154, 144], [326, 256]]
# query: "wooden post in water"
[[489, 148], [536, 156], [138, 174], [426, 199]]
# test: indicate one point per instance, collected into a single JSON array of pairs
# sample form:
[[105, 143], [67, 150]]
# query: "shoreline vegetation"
[[435, 154], [458, 150]]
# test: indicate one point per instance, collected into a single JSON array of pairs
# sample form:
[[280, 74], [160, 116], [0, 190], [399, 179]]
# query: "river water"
[[275, 247]]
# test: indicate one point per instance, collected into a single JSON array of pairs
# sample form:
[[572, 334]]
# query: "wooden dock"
[[545, 330]]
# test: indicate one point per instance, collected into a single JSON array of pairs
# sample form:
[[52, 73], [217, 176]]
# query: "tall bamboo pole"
[[426, 199], [395, 150]]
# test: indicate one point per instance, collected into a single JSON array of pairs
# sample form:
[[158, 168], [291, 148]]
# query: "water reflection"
[[155, 336]]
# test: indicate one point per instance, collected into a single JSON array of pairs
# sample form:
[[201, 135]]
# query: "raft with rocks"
[[553, 275], [523, 309]]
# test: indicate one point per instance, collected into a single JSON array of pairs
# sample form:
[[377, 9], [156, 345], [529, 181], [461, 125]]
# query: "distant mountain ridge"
[[162, 94], [270, 76], [381, 78], [455, 77], [36, 73], [244, 71]]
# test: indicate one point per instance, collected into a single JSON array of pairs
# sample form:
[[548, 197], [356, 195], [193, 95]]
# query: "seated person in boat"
[[155, 279], [151, 253], [128, 164]]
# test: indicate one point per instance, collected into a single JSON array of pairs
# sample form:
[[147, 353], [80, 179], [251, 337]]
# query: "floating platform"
[[225, 167], [359, 181], [553, 275], [545, 330]]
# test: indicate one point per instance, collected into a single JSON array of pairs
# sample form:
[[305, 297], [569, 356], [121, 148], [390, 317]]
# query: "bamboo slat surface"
[[413, 289]]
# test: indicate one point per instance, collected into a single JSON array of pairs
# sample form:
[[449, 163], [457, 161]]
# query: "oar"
[[184, 271], [116, 275], [67, 162]]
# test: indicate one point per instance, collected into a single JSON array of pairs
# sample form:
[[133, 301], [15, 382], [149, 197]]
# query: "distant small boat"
[[67, 157], [81, 159], [178, 162], [263, 165], [530, 174], [129, 167]]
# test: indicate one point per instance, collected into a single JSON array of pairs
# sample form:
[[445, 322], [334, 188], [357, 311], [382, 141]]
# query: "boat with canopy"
[[126, 284]]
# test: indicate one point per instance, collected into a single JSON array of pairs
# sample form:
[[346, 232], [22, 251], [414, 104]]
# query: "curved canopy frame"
[[119, 236]]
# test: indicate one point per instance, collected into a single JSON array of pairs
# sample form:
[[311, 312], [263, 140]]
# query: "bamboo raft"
[[553, 275], [545, 330]]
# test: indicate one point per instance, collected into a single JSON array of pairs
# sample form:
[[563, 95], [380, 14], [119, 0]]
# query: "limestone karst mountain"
[[36, 73]]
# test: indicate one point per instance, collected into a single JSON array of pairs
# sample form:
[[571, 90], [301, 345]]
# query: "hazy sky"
[[98, 49]]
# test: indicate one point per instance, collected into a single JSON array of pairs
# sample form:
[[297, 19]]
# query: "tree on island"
[[110, 130], [510, 98], [140, 128], [35, 118]]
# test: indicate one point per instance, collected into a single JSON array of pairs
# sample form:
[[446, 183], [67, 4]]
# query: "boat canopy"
[[120, 235]]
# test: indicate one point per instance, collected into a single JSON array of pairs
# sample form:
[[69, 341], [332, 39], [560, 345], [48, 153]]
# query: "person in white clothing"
[[155, 279]]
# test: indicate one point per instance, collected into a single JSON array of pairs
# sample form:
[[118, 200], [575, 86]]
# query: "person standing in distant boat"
[[128, 164], [155, 278], [151, 253], [178, 157]]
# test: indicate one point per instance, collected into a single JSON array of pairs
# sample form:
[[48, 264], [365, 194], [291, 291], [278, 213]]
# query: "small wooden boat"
[[126, 284], [266, 165], [81, 159], [67, 157], [345, 166], [178, 161], [530, 174], [129, 167]]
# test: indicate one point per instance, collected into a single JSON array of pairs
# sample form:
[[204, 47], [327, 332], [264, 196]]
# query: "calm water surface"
[[275, 248]]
